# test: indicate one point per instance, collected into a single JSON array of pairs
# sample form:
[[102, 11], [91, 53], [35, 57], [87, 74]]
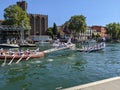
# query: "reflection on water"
[[79, 65], [61, 69]]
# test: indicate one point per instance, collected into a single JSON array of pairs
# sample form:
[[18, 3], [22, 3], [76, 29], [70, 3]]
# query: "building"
[[38, 22], [65, 33], [100, 30], [23, 5], [1, 21], [10, 32], [38, 25]]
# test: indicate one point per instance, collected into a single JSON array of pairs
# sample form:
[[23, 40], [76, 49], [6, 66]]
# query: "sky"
[[97, 12]]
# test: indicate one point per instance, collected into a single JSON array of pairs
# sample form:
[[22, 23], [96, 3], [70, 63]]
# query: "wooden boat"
[[71, 45], [18, 58], [9, 45], [9, 57], [27, 45], [93, 48]]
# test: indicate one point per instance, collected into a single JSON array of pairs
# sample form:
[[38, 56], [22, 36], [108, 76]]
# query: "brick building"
[[38, 22], [101, 30], [23, 5]]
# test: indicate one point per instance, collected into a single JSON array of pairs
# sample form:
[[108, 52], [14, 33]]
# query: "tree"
[[77, 24], [50, 32], [114, 30], [15, 15], [66, 26], [55, 31]]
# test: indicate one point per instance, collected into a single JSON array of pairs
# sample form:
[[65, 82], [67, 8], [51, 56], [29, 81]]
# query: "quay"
[[106, 84]]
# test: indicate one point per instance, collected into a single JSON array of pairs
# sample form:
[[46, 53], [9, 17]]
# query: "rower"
[[37, 50], [64, 44], [20, 52], [10, 52], [1, 51], [27, 51]]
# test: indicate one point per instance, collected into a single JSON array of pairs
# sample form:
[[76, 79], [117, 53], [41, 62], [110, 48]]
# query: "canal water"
[[64, 69]]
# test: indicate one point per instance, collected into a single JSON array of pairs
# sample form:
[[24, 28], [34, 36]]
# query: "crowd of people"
[[58, 44], [18, 52], [94, 47]]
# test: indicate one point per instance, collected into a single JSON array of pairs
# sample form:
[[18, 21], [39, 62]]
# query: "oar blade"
[[20, 59], [11, 61]]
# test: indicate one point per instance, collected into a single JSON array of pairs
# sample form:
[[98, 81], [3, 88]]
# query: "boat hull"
[[27, 45], [23, 57], [10, 45], [59, 48], [93, 49]]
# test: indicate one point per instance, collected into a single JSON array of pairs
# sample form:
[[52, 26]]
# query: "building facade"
[[23, 5], [38, 22], [65, 33], [101, 30]]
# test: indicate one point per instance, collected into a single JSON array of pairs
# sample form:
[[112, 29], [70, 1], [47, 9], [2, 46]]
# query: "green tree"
[[113, 29], [66, 26], [77, 24], [55, 31], [50, 32], [15, 15]]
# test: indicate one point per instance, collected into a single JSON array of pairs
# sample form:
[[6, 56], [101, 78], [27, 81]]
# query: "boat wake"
[[36, 62], [50, 60]]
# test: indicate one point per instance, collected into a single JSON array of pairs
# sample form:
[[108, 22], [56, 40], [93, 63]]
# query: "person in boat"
[[20, 52], [60, 45], [64, 44], [103, 39], [2, 51], [37, 50], [28, 52], [10, 52], [69, 41]]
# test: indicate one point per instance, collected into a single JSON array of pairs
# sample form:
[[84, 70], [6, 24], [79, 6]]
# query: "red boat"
[[18, 56], [15, 56]]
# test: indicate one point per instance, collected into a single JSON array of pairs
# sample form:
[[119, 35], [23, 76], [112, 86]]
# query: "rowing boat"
[[97, 47], [24, 56], [71, 45], [9, 45]]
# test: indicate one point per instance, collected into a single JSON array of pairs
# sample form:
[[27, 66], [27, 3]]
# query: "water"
[[61, 69]]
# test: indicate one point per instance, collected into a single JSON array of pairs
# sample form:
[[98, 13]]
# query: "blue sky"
[[97, 12]]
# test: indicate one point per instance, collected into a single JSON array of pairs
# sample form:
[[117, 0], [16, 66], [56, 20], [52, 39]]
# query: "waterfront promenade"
[[107, 84]]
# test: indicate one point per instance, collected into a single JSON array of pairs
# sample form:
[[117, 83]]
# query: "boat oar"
[[11, 60], [28, 58], [4, 62], [20, 59]]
